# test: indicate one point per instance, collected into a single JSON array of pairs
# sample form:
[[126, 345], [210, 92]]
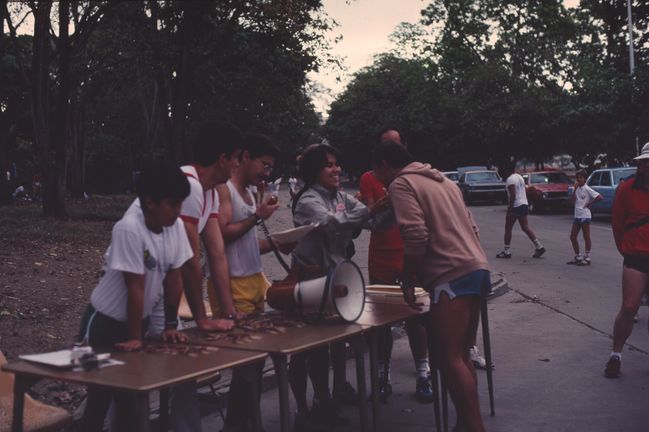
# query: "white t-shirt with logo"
[[136, 249], [519, 187], [584, 195]]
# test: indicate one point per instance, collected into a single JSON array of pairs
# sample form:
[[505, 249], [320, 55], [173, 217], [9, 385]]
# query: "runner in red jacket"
[[631, 231]]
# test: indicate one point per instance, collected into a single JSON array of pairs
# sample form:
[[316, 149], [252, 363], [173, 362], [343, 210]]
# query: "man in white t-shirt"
[[217, 147], [583, 197], [517, 209], [141, 271]]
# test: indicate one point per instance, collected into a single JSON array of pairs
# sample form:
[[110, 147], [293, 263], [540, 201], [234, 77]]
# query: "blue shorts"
[[477, 283], [520, 211], [581, 221]]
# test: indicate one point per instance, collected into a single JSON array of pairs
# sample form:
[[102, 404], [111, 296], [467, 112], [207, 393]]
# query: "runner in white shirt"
[[517, 209], [583, 197]]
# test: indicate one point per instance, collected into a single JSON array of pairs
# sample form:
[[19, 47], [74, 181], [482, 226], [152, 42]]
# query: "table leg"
[[487, 353], [21, 385], [164, 410], [280, 364], [372, 338], [444, 403], [142, 412], [434, 378], [360, 377]]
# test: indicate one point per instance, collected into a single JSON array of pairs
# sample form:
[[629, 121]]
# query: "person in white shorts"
[[582, 197]]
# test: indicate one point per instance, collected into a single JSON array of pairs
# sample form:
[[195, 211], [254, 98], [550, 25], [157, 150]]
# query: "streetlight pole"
[[631, 58]]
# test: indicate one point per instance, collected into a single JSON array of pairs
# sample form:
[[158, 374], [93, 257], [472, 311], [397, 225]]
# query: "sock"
[[537, 243], [587, 254], [507, 247], [381, 367], [618, 354], [421, 365]]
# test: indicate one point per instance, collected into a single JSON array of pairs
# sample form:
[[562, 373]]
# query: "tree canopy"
[[481, 81]]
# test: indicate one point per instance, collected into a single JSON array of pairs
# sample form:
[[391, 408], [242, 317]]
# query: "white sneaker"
[[478, 361]]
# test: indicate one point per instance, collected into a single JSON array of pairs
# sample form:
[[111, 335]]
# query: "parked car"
[[605, 181], [483, 185], [453, 176], [547, 189]]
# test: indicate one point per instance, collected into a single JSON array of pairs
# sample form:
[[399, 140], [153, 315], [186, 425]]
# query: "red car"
[[547, 189]]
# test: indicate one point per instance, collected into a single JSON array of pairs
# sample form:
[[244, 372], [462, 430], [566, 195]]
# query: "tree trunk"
[[40, 99], [181, 89]]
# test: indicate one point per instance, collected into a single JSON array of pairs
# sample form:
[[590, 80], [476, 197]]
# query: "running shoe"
[[613, 367], [538, 252], [578, 260], [424, 390], [504, 254], [385, 389], [327, 413]]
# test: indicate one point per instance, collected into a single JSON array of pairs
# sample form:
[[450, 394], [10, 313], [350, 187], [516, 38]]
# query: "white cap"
[[644, 154]]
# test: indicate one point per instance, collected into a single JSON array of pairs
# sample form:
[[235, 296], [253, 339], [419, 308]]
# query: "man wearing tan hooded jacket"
[[443, 255]]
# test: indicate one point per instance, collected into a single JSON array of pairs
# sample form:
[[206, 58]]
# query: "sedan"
[[483, 185], [605, 181], [547, 189]]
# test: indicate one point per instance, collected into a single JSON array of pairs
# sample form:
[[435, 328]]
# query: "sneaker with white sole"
[[504, 254], [478, 361]]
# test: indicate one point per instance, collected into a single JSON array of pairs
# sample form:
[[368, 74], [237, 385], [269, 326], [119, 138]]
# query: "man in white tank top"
[[238, 217]]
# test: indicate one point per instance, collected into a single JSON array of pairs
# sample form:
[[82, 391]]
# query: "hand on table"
[[411, 299], [129, 345], [173, 336], [215, 325]]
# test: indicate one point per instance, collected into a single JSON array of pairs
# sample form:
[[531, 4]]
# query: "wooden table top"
[[377, 314], [143, 371], [292, 341]]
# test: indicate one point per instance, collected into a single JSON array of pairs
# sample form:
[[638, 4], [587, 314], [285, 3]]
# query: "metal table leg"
[[487, 352], [360, 377], [164, 410], [280, 364], [142, 423], [372, 338]]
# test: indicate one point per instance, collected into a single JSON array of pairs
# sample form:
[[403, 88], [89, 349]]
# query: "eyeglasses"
[[267, 167]]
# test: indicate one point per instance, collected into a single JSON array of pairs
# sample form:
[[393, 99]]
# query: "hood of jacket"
[[423, 169]]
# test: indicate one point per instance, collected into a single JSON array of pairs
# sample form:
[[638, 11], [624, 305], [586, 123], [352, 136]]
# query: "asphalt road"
[[551, 337]]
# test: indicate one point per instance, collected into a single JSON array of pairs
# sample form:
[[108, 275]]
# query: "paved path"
[[550, 336]]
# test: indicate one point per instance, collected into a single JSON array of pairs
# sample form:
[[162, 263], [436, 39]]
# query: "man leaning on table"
[[442, 253], [216, 148]]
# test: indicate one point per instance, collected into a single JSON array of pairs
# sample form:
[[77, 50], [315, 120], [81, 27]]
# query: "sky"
[[365, 26]]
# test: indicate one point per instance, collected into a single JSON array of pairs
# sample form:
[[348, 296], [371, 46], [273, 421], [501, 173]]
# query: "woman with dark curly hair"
[[338, 215]]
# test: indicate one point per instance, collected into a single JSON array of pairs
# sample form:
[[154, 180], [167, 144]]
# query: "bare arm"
[[234, 230], [193, 283], [512, 196], [134, 306], [218, 264], [173, 290]]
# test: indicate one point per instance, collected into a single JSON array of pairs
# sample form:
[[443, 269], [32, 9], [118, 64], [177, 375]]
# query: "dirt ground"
[[48, 269]]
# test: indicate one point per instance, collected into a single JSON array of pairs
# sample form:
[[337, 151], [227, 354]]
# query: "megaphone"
[[341, 292]]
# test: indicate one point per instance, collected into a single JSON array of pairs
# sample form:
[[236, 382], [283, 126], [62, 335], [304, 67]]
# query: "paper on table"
[[62, 359], [391, 290], [292, 235]]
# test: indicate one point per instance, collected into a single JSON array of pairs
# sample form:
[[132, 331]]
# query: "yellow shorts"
[[248, 294]]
